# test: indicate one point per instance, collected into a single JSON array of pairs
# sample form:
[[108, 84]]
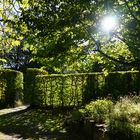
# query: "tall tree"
[[12, 35], [57, 28]]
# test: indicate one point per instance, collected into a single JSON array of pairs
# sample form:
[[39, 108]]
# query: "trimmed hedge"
[[11, 88], [29, 79], [59, 90], [121, 83], [77, 89]]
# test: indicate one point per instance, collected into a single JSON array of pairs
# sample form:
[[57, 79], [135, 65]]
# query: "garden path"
[[12, 110], [7, 111]]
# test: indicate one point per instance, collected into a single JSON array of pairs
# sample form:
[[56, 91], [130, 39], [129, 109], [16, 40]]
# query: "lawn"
[[95, 121], [34, 124]]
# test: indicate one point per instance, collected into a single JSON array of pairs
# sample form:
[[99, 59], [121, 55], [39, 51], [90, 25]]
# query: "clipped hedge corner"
[[29, 80], [11, 88]]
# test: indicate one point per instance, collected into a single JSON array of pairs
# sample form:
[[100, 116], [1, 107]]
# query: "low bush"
[[125, 118], [99, 110], [121, 119]]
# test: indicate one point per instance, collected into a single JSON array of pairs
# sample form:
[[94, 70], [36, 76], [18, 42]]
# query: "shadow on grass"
[[35, 124]]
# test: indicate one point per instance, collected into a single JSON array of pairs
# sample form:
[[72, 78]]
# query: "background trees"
[[61, 35]]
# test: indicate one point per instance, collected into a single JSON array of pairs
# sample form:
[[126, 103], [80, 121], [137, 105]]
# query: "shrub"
[[29, 80], [11, 88], [121, 83], [59, 90], [77, 89], [125, 118], [99, 110], [121, 119]]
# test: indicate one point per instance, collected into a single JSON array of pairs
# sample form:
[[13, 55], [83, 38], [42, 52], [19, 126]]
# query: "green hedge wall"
[[77, 89], [29, 79], [121, 83], [59, 90], [11, 88]]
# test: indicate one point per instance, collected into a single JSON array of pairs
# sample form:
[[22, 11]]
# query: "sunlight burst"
[[109, 23]]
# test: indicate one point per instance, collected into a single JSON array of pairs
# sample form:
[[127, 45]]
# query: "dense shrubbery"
[[99, 110], [125, 118], [122, 118], [59, 90], [121, 83], [41, 89], [29, 80], [78, 89], [11, 88]]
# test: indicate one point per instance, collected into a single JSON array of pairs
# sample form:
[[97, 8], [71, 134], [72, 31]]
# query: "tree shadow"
[[39, 123], [33, 123]]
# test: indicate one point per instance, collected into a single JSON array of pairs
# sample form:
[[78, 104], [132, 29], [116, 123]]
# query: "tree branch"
[[132, 14], [134, 63]]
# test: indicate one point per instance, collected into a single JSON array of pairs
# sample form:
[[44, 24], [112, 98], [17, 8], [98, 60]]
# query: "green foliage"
[[29, 81], [125, 118], [11, 88], [99, 110], [116, 49], [121, 83], [77, 89], [59, 90], [120, 118], [59, 43], [94, 87], [72, 22], [12, 32]]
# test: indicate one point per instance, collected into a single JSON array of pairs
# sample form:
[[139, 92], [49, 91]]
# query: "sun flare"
[[109, 23]]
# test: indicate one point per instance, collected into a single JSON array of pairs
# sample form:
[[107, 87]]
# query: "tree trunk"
[[138, 81]]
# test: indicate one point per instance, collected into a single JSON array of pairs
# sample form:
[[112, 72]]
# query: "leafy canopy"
[[56, 31]]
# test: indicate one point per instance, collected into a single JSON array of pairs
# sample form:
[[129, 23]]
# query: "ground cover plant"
[[125, 118], [100, 119], [35, 124], [121, 119]]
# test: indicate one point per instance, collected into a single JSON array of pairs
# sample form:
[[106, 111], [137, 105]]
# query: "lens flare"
[[109, 23]]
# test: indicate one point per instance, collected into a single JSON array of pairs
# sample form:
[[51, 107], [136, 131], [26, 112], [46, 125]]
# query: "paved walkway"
[[7, 111], [12, 110], [8, 137]]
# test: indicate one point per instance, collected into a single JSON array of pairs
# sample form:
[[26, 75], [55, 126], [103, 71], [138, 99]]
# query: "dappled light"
[[75, 64], [34, 124]]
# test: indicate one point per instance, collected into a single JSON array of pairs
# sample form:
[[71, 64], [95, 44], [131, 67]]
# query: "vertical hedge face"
[[121, 83], [63, 90], [59, 90], [11, 88], [76, 89], [29, 80]]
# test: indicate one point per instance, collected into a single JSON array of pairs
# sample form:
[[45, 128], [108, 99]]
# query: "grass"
[[34, 124]]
